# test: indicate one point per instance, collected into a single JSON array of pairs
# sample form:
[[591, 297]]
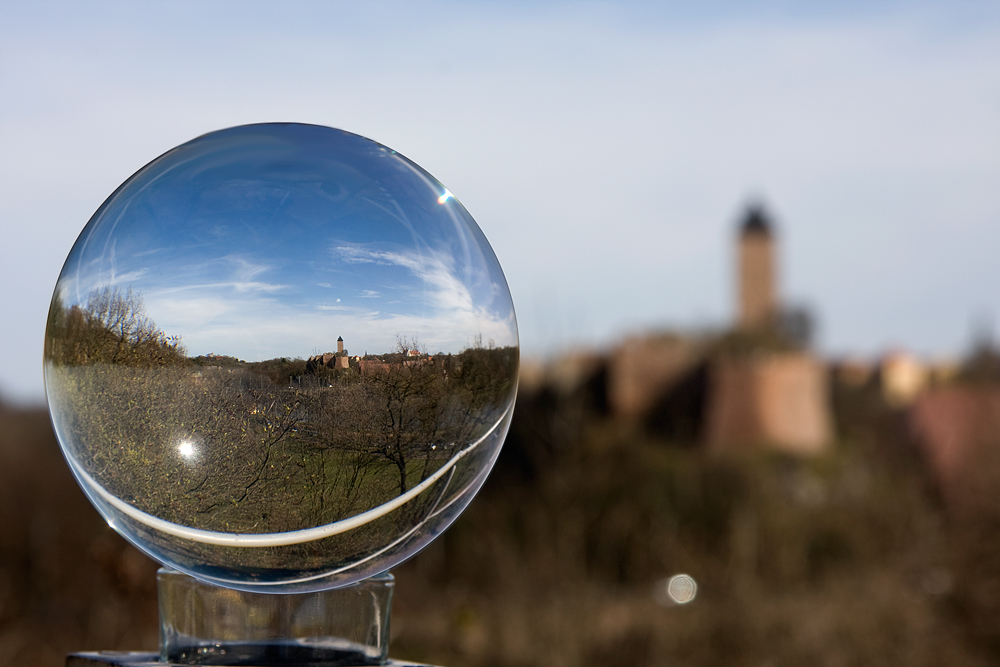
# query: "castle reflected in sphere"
[[191, 375]]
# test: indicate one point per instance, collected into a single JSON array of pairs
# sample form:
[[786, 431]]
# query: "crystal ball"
[[281, 358]]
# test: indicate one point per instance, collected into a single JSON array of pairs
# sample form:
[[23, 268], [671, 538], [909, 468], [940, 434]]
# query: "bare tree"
[[112, 328]]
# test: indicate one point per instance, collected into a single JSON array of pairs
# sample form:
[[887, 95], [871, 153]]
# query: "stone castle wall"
[[779, 401]]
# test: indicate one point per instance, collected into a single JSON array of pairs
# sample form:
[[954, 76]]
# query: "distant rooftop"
[[756, 221]]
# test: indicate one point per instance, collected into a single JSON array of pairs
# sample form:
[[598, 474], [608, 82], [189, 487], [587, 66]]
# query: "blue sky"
[[606, 152]]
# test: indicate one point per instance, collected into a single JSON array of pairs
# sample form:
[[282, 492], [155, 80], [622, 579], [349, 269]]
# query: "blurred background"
[[752, 248]]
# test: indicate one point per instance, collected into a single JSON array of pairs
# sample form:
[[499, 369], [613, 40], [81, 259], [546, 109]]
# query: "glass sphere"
[[281, 357]]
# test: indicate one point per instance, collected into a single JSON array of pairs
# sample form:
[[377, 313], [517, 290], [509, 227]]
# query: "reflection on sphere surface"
[[281, 358]]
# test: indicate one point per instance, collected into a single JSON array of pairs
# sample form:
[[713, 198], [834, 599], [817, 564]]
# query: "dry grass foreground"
[[844, 560]]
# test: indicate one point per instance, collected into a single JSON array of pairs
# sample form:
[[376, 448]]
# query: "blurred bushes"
[[67, 582], [841, 560]]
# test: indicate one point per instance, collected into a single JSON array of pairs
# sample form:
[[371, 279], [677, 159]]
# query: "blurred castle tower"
[[340, 345], [758, 301], [772, 396]]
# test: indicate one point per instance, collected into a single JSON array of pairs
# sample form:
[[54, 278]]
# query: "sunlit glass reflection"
[[186, 449]]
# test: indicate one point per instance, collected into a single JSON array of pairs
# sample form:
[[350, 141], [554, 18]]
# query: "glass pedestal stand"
[[206, 625]]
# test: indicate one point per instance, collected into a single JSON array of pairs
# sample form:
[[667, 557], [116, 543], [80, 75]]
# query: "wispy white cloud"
[[236, 286], [148, 252], [352, 254], [245, 269], [436, 270], [127, 277]]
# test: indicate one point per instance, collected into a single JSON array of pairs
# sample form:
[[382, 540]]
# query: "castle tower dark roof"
[[756, 222], [340, 339], [756, 272]]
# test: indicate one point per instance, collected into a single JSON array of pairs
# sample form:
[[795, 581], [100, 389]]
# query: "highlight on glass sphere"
[[281, 357]]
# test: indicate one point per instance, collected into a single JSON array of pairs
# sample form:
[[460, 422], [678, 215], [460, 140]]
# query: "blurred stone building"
[[902, 377], [957, 430], [955, 422], [643, 368]]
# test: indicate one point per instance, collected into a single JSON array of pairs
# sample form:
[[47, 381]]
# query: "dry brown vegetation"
[[847, 559], [844, 560], [67, 581]]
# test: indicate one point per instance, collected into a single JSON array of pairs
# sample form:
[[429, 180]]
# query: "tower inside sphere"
[[281, 358]]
